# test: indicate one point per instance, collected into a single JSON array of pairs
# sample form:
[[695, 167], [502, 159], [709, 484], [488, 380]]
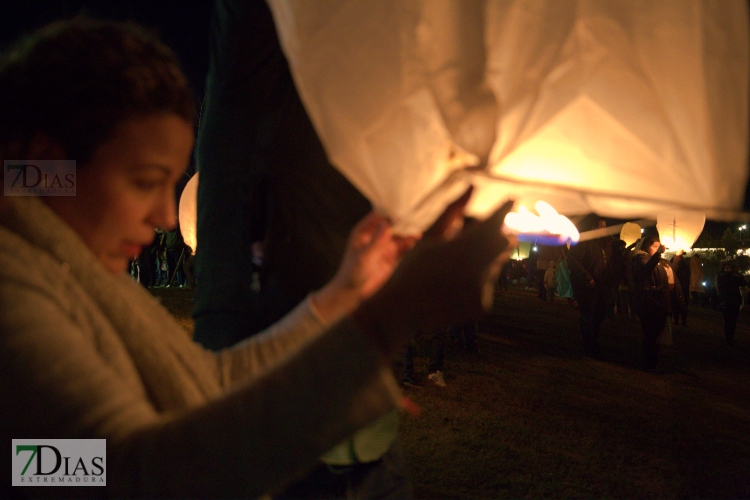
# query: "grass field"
[[530, 417]]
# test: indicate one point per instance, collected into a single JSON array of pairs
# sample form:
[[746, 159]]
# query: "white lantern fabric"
[[188, 213], [679, 230], [626, 108]]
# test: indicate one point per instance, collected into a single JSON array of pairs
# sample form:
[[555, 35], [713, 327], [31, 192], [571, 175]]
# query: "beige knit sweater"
[[86, 354]]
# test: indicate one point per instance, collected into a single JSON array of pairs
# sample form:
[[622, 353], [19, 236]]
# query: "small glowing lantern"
[[626, 109], [522, 251], [188, 213], [679, 230], [630, 233]]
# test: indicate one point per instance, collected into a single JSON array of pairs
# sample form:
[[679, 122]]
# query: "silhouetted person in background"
[[653, 302], [729, 284], [591, 276]]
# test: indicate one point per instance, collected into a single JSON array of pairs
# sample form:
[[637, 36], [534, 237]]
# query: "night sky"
[[184, 26]]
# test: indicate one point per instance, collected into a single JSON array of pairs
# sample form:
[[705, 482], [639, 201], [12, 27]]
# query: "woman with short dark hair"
[[85, 352]]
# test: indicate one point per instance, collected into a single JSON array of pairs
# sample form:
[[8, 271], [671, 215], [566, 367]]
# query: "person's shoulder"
[[16, 254], [639, 256], [25, 266]]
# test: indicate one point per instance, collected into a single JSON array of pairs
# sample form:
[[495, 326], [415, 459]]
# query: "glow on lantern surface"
[[678, 230], [188, 213], [622, 108]]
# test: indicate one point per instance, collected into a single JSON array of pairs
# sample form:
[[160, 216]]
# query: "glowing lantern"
[[522, 251], [679, 230], [188, 213], [630, 233], [547, 228], [623, 108]]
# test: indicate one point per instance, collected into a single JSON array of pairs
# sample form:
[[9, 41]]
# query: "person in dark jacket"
[[591, 276], [729, 284], [654, 282]]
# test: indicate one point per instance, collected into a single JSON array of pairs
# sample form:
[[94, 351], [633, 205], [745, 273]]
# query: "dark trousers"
[[146, 264], [466, 334], [731, 313], [541, 292], [653, 322], [175, 272], [624, 303], [593, 304], [679, 311], [680, 316], [437, 351], [404, 366]]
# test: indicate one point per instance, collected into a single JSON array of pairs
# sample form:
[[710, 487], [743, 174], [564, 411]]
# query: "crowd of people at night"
[[166, 262], [605, 278]]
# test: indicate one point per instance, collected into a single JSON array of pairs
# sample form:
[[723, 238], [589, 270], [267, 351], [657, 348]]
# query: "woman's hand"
[[442, 281], [372, 253]]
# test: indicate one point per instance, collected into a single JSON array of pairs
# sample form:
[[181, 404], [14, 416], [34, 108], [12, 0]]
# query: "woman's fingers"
[[446, 226], [404, 244], [443, 281], [487, 236], [368, 229]]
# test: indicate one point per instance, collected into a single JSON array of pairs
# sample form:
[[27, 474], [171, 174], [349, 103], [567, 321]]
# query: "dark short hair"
[[76, 80], [648, 241]]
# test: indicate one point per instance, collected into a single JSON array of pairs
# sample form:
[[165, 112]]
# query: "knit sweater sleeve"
[[260, 352], [261, 433]]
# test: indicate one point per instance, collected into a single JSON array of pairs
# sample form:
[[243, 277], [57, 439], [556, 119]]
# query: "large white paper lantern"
[[679, 230], [188, 213], [627, 108]]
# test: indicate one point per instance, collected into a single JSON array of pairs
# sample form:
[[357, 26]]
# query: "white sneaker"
[[437, 378]]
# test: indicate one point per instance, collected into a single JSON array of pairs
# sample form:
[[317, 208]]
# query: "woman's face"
[[127, 189], [654, 247]]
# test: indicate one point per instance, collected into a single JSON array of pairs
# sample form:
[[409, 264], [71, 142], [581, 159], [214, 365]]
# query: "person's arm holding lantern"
[[419, 295], [261, 432], [372, 254]]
